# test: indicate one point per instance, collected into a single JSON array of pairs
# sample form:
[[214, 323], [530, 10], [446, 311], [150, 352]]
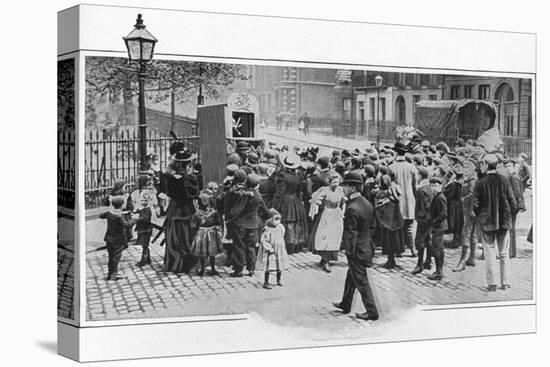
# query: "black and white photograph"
[[65, 187], [278, 190]]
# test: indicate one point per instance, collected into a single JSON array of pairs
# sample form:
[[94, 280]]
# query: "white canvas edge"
[[509, 72]]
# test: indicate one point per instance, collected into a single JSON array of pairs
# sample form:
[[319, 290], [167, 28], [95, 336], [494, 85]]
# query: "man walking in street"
[[307, 122], [494, 203], [359, 226]]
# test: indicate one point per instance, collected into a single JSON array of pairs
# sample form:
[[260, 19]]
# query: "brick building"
[[295, 90], [511, 96]]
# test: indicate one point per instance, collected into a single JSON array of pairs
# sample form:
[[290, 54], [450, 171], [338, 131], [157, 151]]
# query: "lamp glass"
[[378, 80], [147, 50], [134, 49]]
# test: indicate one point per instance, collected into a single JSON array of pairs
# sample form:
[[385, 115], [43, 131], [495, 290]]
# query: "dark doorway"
[[400, 109]]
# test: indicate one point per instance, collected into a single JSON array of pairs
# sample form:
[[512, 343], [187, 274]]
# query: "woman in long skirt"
[[182, 187], [287, 201], [389, 217], [329, 223]]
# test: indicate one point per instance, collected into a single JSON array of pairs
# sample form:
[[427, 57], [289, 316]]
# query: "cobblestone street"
[[304, 302]]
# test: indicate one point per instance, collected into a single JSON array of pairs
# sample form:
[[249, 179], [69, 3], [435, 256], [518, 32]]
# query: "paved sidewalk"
[[303, 303], [326, 143], [65, 280]]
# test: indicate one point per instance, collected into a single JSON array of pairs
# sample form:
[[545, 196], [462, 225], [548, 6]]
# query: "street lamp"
[[140, 45], [378, 81]]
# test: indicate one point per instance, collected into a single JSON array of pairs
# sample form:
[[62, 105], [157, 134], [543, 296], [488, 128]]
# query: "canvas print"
[[317, 199], [65, 187]]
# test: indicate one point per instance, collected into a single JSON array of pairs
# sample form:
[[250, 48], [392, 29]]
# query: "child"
[[207, 242], [272, 255], [119, 190], [438, 218], [144, 228], [116, 235], [424, 196], [145, 184]]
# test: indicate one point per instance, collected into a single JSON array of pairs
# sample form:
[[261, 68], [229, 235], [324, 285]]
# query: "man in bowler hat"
[[359, 226]]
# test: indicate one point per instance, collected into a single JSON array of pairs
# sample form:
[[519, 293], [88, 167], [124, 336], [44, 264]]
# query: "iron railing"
[[112, 156]]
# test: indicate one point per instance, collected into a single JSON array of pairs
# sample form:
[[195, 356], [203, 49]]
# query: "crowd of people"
[[275, 201]]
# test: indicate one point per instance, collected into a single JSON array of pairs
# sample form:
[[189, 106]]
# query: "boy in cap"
[[243, 223], [424, 197], [438, 218], [116, 235]]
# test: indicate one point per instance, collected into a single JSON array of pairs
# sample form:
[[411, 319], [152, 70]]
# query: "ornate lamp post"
[[378, 81], [141, 44]]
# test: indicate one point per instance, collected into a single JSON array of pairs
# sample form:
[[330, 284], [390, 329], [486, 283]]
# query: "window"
[[346, 104], [529, 117], [401, 79], [433, 97], [361, 110], [468, 91], [455, 91], [383, 108], [483, 92], [416, 99], [372, 106], [425, 79], [509, 128]]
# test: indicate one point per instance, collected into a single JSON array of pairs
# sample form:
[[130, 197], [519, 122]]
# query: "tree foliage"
[[113, 78], [65, 93]]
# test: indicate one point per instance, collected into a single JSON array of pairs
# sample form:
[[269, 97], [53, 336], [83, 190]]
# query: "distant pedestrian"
[[494, 203], [279, 121], [272, 255], [307, 123], [359, 226], [116, 235]]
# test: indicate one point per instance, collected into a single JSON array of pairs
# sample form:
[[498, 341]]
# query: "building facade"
[[511, 96], [294, 90], [393, 104]]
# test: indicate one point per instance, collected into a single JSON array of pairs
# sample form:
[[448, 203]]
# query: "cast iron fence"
[[112, 156], [66, 168]]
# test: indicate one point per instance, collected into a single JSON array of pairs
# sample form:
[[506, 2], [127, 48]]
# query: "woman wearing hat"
[[326, 234], [287, 201], [388, 214], [182, 188]]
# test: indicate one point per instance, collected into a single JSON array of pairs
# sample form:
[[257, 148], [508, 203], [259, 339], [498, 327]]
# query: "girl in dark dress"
[[455, 209], [182, 187], [287, 201]]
